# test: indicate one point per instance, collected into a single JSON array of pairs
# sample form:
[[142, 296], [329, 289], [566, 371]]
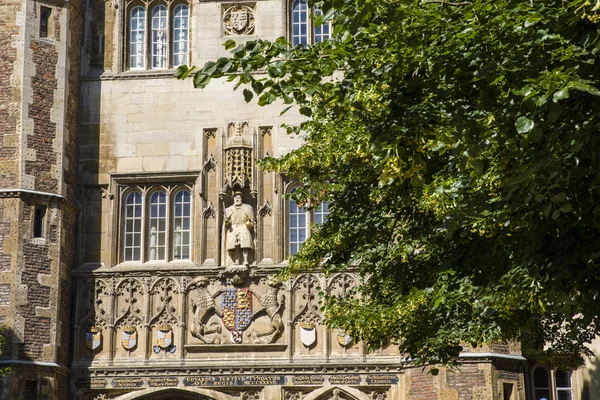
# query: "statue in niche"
[[239, 225]]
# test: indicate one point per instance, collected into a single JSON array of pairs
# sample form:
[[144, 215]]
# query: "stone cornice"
[[35, 194]]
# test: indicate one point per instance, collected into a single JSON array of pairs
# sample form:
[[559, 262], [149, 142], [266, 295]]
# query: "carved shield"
[[93, 338], [237, 309], [239, 19], [236, 336], [308, 333], [343, 338], [164, 337], [129, 338]]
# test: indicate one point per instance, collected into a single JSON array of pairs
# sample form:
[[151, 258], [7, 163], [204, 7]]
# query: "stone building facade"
[[139, 243]]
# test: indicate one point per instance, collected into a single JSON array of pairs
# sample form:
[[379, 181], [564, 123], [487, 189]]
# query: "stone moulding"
[[207, 348], [27, 193]]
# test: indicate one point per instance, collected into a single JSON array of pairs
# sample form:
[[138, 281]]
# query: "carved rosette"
[[239, 20]]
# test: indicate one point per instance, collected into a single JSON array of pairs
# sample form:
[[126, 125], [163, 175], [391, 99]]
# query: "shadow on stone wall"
[[591, 386]]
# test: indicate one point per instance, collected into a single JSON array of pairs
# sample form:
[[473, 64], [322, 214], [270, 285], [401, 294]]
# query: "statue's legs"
[[245, 253]]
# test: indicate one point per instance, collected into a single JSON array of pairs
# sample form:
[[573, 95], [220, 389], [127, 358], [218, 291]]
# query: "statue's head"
[[237, 198], [200, 282], [273, 280]]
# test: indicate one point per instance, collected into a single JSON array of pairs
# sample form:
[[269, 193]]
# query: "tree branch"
[[461, 3]]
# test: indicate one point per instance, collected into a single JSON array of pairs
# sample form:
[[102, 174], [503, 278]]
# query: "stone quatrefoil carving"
[[238, 20]]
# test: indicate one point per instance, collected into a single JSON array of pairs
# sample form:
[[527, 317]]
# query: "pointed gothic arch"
[[336, 392], [175, 393]]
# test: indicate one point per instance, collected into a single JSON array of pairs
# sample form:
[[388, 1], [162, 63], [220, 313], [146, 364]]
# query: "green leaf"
[[306, 111], [524, 125], [561, 94], [201, 80], [229, 44], [556, 214], [559, 198], [566, 208], [248, 95]]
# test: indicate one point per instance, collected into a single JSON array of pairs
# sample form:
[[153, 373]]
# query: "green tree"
[[459, 144]]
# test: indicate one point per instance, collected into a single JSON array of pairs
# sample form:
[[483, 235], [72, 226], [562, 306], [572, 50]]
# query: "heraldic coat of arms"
[[237, 311], [93, 338], [129, 337]]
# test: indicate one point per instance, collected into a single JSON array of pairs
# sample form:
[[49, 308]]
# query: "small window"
[[30, 389], [541, 384], [39, 219], [564, 390], [299, 220], [507, 391], [133, 227], [180, 35], [159, 37], [298, 225], [137, 37], [157, 232], [45, 13], [182, 220], [304, 31]]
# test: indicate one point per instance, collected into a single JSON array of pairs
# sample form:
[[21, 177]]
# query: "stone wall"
[[38, 155]]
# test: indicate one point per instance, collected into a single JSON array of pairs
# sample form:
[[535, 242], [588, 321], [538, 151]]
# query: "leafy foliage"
[[459, 144]]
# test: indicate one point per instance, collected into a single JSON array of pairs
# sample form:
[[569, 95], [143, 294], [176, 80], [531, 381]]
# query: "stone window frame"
[[312, 31], [51, 28], [147, 185], [40, 219], [309, 218], [149, 6]]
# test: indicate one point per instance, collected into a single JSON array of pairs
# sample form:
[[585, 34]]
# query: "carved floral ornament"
[[238, 20]]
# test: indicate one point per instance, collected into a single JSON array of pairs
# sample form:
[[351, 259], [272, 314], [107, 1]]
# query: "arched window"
[[304, 30], [180, 35], [133, 227], [159, 37], [321, 213], [541, 383], [299, 220], [182, 221], [321, 32], [137, 37], [299, 23], [298, 226], [157, 226]]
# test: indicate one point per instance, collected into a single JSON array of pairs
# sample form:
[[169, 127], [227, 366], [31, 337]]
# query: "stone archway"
[[175, 393]]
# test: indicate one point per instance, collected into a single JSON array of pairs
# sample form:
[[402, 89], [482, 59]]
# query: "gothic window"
[[166, 43], [564, 391], [182, 221], [180, 34], [299, 219], [546, 388], [137, 37], [304, 31], [298, 226], [159, 37], [157, 225], [133, 227]]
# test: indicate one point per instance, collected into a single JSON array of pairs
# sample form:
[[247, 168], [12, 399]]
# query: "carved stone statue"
[[239, 225], [202, 308], [271, 304]]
